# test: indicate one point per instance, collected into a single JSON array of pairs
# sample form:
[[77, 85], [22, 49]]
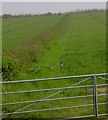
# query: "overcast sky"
[[44, 7]]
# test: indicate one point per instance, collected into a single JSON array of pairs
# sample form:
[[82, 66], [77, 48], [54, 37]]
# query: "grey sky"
[[44, 7]]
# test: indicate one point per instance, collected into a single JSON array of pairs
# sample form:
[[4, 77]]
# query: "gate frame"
[[95, 99]]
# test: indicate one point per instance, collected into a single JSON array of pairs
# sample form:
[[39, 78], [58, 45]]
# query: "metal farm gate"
[[93, 85]]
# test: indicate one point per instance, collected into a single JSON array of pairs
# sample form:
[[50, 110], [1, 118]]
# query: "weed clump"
[[10, 68]]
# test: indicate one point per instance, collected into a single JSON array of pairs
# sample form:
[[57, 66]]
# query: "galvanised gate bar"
[[94, 87]]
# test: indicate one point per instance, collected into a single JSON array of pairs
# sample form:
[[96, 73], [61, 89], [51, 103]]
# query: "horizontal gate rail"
[[103, 103], [43, 110], [102, 114], [64, 98], [56, 78], [103, 78], [70, 118], [50, 89]]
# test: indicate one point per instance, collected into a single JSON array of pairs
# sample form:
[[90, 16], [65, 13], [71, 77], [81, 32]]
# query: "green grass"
[[17, 30], [77, 41]]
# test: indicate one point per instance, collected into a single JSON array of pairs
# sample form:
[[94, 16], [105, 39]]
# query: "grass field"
[[17, 30], [51, 46]]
